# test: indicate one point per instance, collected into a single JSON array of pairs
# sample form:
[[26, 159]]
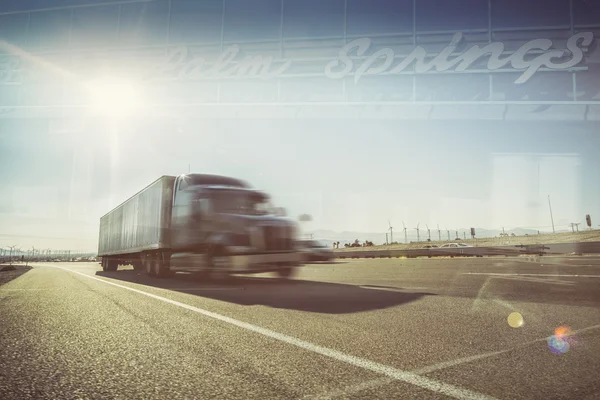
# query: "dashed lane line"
[[533, 275]]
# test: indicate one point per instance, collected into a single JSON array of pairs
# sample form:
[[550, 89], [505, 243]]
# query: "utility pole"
[[551, 216]]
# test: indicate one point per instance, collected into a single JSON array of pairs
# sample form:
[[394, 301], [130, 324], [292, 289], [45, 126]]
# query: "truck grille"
[[277, 238]]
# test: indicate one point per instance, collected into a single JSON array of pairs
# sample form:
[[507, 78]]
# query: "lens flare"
[[558, 346], [561, 341], [562, 332], [515, 320]]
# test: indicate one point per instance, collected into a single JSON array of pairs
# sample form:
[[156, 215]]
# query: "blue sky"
[[350, 175]]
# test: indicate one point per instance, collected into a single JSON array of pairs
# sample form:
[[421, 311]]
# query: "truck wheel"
[[217, 263], [287, 272], [149, 264], [161, 267], [112, 265]]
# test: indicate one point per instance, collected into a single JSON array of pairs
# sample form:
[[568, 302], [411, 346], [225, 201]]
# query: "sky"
[[349, 175]]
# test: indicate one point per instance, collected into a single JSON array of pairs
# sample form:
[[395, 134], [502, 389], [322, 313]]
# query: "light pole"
[[551, 216]]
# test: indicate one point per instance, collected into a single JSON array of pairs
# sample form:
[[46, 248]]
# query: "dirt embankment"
[[568, 237]]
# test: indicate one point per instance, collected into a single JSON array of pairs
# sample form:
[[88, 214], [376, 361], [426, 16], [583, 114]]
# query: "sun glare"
[[113, 97]]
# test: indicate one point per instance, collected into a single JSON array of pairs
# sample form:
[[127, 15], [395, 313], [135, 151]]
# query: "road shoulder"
[[11, 272]]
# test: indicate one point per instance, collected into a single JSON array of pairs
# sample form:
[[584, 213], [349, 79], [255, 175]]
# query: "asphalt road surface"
[[382, 328]]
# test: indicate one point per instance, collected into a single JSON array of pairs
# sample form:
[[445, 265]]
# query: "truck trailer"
[[199, 223]]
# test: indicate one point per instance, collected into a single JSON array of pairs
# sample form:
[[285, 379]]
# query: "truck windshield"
[[240, 202]]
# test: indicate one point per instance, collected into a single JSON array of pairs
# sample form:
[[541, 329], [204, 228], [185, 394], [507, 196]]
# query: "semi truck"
[[203, 223]]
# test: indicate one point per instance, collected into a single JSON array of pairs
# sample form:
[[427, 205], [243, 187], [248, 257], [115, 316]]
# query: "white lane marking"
[[542, 279], [452, 363], [459, 361], [399, 375], [479, 299], [504, 304], [428, 369], [392, 289], [533, 275], [201, 288]]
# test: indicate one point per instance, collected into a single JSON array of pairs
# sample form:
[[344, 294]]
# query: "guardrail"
[[515, 250]]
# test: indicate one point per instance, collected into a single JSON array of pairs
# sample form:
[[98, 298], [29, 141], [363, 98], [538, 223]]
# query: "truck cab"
[[222, 225]]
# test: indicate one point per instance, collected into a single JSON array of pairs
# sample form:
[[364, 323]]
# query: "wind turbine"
[[11, 252], [439, 233], [428, 232], [418, 235], [448, 232], [391, 229], [457, 234], [404, 228]]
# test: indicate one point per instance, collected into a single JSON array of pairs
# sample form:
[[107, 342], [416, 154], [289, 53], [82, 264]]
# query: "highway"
[[350, 329]]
